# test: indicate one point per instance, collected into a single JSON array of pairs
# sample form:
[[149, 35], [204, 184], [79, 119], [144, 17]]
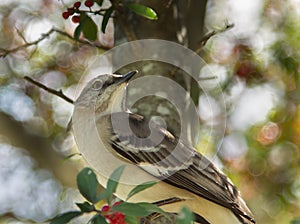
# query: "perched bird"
[[107, 132]]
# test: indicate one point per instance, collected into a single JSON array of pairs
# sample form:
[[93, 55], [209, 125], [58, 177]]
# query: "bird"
[[108, 133]]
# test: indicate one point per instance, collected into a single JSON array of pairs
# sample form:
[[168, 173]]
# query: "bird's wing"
[[158, 152]]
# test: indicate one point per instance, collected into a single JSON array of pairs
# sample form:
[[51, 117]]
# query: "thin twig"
[[203, 41], [21, 35], [52, 91], [5, 52], [209, 35], [44, 36], [98, 12]]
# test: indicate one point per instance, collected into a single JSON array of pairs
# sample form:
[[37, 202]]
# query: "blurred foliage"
[[267, 173]]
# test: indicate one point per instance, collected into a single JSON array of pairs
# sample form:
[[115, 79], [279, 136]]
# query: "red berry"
[[117, 218], [105, 208], [88, 3], [77, 5], [65, 15], [76, 19]]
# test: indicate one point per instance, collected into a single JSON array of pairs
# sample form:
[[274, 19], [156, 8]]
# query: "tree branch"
[[5, 52], [52, 91], [209, 35]]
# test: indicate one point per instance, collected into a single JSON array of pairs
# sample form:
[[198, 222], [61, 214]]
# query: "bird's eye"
[[97, 85]]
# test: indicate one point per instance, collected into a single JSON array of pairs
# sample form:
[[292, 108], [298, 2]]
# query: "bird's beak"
[[126, 77]]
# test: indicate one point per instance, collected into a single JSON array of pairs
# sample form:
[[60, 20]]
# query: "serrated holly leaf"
[[87, 184], [140, 188], [77, 32], [142, 11], [185, 216], [65, 217], [98, 219], [106, 17], [85, 207], [112, 183]]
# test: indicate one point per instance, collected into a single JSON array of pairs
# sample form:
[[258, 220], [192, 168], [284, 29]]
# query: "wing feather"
[[174, 162]]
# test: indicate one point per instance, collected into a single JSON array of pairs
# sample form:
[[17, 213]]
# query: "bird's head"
[[105, 93]]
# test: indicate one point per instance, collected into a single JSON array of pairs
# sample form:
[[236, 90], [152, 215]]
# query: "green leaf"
[[137, 209], [102, 195], [99, 2], [151, 208], [89, 29], [185, 216], [131, 209], [76, 35], [130, 219], [87, 184], [142, 11], [65, 217], [98, 219], [112, 183], [295, 221], [140, 188], [106, 17], [85, 207]]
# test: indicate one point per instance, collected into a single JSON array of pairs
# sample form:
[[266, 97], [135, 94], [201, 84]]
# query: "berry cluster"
[[112, 216], [75, 10]]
